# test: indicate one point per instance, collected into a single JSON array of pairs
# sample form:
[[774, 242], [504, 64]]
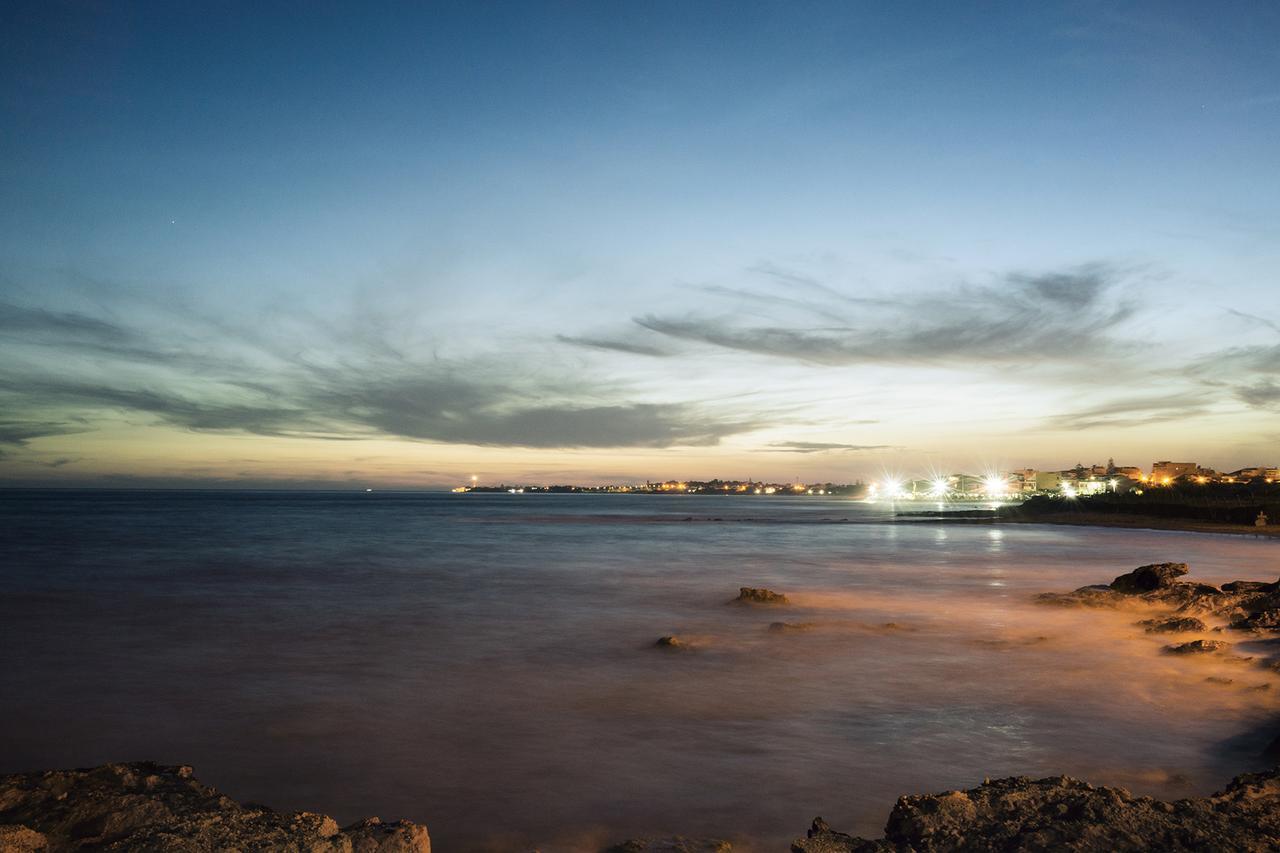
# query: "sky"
[[378, 245]]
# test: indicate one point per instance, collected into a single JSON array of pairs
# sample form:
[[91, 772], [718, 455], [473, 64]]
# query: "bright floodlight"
[[940, 487], [994, 485], [894, 490]]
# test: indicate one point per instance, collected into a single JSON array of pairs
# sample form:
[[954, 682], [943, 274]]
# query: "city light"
[[940, 488], [994, 485]]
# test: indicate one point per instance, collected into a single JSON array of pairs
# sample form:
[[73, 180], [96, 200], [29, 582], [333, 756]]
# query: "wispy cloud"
[[20, 432], [824, 447], [1133, 411], [1021, 319], [614, 344], [1260, 395], [361, 388]]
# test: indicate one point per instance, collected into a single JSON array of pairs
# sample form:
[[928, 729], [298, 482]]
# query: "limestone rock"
[[1173, 625], [1067, 814], [759, 595], [1148, 578], [1197, 647], [145, 806], [789, 627]]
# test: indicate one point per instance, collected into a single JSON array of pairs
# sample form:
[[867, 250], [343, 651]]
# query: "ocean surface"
[[485, 664]]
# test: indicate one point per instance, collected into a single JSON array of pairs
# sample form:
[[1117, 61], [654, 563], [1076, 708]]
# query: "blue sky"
[[401, 244]]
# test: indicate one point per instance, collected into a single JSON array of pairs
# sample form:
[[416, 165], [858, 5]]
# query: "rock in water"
[[1173, 625], [1148, 578], [1067, 814], [145, 806], [671, 642], [1197, 647], [674, 844], [785, 627], [759, 595]]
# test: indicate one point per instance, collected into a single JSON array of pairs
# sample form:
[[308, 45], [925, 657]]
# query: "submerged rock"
[[1067, 814], [1197, 647], [1173, 624], [674, 844], [1085, 596], [789, 627], [759, 595], [145, 806]]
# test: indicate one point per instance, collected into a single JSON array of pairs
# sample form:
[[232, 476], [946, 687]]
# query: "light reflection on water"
[[484, 664]]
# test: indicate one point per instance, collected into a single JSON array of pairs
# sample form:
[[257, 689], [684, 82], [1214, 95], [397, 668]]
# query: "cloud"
[[824, 447], [1261, 395], [1022, 319], [1250, 371], [19, 320], [471, 410], [1233, 362], [469, 403], [20, 432], [264, 418], [1133, 411], [615, 345]]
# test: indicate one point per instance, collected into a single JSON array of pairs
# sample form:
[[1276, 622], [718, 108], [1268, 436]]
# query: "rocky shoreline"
[[155, 807]]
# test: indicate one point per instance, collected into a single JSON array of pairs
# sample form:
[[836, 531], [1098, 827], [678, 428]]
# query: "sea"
[[485, 664]]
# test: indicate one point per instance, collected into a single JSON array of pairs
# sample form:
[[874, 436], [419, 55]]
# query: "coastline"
[[144, 805], [1082, 519]]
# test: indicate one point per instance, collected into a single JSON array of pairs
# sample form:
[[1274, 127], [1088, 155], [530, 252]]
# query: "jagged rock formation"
[[145, 806], [759, 595], [1149, 577], [1173, 625], [1197, 647], [1252, 606], [784, 627], [1067, 814]]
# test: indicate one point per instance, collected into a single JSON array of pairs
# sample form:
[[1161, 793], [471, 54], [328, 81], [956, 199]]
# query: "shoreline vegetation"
[[1235, 515], [149, 806]]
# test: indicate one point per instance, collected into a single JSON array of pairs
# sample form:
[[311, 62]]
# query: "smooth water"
[[484, 664]]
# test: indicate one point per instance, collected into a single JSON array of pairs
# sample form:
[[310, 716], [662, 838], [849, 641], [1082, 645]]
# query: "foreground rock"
[[1173, 625], [759, 595], [1067, 814], [1252, 606], [1197, 647], [145, 806], [1148, 578]]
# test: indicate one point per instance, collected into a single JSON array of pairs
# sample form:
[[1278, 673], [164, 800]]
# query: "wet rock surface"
[[1242, 605], [759, 595], [1150, 577], [790, 627], [144, 806], [1173, 625], [1197, 647], [1066, 814]]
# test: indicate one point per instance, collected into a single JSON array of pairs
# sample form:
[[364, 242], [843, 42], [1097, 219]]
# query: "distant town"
[[1082, 480]]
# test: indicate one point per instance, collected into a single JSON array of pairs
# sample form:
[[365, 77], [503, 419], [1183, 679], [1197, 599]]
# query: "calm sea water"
[[484, 664]]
